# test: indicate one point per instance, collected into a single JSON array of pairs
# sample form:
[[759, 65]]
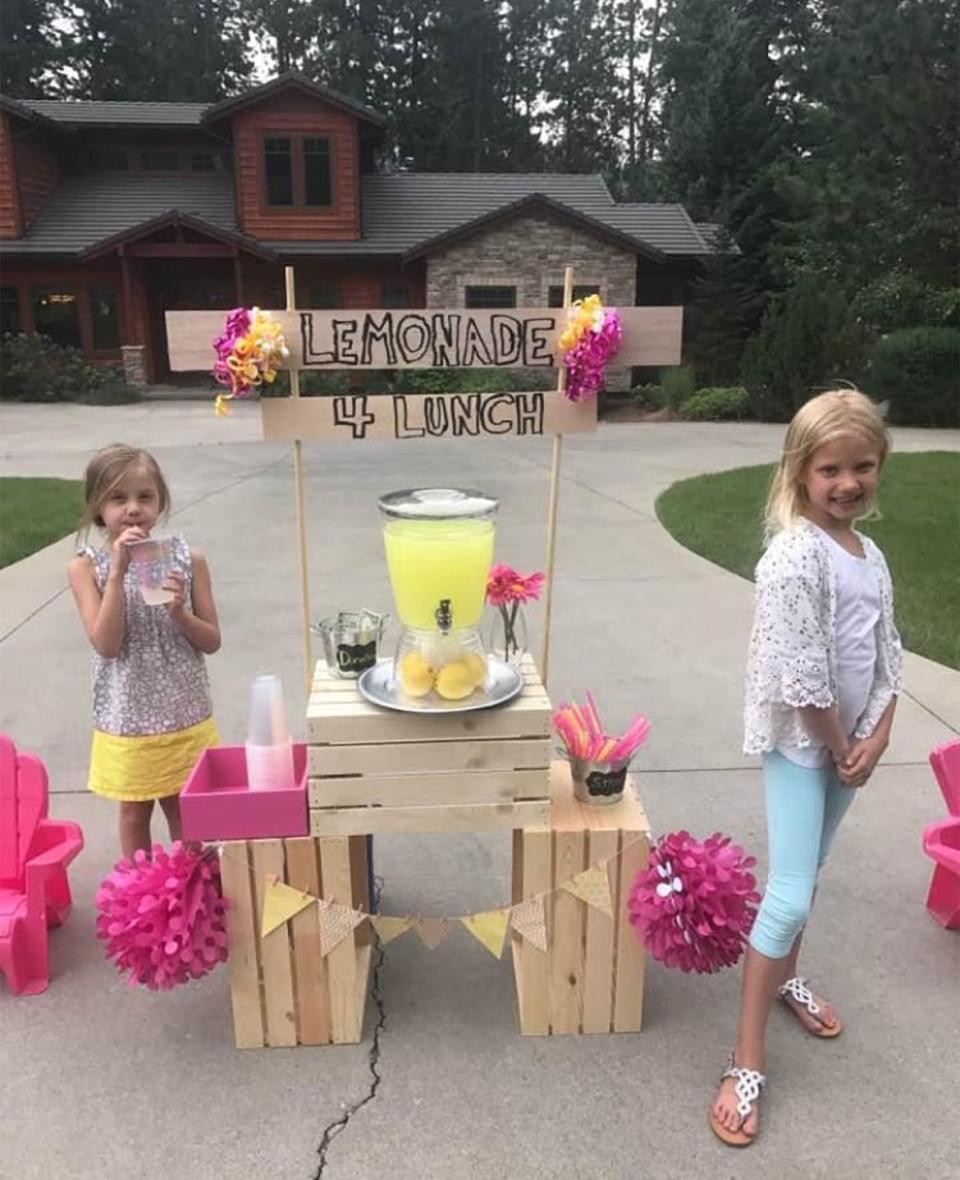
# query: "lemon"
[[455, 681], [416, 675], [476, 664]]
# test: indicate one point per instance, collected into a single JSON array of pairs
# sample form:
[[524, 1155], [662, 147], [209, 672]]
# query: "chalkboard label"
[[356, 657], [611, 783]]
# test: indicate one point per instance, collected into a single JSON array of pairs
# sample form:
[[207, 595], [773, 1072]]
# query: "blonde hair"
[[105, 470], [825, 418]]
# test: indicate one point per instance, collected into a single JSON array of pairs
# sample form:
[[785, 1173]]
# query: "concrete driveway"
[[101, 1081]]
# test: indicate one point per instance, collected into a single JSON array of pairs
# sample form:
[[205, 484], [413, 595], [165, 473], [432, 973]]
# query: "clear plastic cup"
[[153, 561], [269, 747]]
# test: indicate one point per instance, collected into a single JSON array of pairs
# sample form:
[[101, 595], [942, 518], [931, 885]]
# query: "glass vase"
[[506, 633]]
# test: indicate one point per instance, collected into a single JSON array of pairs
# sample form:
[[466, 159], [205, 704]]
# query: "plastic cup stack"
[[269, 746]]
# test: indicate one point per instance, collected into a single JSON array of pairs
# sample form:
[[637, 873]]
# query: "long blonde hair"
[[105, 470], [822, 420]]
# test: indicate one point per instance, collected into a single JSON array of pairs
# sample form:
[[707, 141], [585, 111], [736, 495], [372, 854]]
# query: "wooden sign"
[[361, 416], [429, 338]]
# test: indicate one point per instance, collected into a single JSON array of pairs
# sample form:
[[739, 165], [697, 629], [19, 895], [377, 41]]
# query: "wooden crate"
[[283, 991], [590, 979], [372, 771]]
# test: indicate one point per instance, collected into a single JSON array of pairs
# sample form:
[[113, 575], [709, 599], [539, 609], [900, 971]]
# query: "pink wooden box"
[[216, 803]]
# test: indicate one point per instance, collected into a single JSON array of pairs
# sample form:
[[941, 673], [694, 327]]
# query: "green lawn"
[[36, 512], [720, 517]]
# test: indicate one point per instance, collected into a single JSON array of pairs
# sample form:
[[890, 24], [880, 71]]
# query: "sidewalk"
[[643, 623]]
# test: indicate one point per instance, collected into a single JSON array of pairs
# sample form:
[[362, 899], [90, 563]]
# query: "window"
[[56, 314], [105, 317], [323, 293], [278, 169], [555, 298], [394, 295], [9, 310], [203, 162], [107, 159], [297, 171], [491, 297], [159, 160]]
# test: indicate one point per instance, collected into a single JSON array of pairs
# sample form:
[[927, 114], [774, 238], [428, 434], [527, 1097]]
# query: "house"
[[112, 213]]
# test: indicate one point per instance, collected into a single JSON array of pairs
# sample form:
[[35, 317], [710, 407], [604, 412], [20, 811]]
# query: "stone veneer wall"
[[530, 253]]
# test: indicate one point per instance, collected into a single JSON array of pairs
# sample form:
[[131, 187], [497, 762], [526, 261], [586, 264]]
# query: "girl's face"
[[134, 500], [840, 480]]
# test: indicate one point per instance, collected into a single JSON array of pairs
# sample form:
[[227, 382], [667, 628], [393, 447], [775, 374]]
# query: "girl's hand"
[[176, 583], [119, 554], [861, 762]]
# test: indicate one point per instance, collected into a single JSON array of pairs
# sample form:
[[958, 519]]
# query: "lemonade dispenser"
[[439, 547]]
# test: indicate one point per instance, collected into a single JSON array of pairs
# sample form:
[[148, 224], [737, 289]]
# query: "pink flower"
[[505, 585], [586, 362]]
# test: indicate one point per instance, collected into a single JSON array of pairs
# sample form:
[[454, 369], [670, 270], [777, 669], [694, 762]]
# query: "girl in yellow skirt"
[[151, 698]]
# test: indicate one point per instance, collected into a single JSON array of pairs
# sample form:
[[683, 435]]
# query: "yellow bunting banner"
[[490, 928], [280, 904], [593, 887], [529, 919], [431, 931], [390, 928], [336, 922]]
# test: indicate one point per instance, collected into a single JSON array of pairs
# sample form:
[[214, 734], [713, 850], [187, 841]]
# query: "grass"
[[720, 517], [36, 512]]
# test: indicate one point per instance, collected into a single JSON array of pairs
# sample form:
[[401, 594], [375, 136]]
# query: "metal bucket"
[[600, 783], [351, 641]]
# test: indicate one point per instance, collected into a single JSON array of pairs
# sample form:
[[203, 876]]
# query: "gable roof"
[[174, 217], [22, 110], [292, 80]]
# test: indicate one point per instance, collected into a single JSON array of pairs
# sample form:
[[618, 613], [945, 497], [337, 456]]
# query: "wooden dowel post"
[[554, 500], [291, 290]]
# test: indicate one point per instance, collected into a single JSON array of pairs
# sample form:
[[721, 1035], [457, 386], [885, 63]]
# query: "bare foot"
[[724, 1110], [824, 1020]]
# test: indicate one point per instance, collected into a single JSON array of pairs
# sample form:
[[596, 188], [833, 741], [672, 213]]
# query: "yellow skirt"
[[137, 769]]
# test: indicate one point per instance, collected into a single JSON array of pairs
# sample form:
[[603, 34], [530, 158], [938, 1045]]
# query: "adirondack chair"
[[34, 854], [941, 841]]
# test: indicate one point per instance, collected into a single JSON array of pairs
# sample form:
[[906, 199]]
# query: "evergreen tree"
[[31, 49]]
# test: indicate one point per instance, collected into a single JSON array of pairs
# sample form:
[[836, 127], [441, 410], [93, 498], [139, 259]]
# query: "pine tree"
[[32, 51]]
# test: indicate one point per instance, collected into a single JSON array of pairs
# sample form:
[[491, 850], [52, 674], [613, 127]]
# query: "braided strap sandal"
[[747, 1086], [796, 988]]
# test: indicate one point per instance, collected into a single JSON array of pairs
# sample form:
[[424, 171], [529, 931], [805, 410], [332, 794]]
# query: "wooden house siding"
[[37, 175], [294, 114], [10, 222]]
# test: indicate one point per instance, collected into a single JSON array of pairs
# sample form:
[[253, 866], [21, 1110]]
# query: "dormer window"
[[296, 172]]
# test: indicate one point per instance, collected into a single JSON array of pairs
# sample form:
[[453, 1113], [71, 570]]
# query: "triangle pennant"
[[489, 928], [529, 919], [336, 922], [280, 903], [390, 928], [431, 931], [593, 887]]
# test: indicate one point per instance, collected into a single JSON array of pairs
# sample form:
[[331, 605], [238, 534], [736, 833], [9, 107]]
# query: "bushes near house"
[[918, 370], [35, 369], [678, 382], [716, 405], [385, 381]]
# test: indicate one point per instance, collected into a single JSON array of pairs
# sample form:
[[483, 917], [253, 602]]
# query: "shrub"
[[677, 383], [917, 369], [716, 405], [35, 369], [648, 397], [899, 299]]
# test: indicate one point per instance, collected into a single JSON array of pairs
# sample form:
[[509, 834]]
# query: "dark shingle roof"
[[300, 82], [117, 114], [401, 211]]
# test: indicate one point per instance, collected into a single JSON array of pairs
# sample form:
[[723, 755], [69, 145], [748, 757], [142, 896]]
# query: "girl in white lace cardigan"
[[823, 674]]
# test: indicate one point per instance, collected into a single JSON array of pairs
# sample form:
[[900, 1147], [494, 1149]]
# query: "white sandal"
[[747, 1086], [796, 988]]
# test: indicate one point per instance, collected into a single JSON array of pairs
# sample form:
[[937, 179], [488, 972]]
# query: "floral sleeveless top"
[[158, 683]]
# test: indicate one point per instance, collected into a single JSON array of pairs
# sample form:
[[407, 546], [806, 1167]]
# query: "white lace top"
[[792, 657]]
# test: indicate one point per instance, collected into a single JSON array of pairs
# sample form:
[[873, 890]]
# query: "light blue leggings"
[[804, 809]]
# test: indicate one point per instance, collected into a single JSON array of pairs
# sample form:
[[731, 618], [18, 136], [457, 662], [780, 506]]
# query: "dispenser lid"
[[438, 504]]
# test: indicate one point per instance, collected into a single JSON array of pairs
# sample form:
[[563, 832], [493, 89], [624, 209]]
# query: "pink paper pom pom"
[[694, 906], [164, 920]]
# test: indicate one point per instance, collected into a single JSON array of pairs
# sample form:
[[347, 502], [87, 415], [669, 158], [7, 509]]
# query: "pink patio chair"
[[34, 854], [941, 841]]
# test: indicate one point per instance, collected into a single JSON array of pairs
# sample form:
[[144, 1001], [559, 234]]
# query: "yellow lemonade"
[[432, 560]]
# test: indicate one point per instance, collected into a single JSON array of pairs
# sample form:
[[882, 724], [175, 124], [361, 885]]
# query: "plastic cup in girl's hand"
[[153, 561]]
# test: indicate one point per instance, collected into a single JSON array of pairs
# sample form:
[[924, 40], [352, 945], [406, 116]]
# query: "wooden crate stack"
[[283, 991], [375, 771], [590, 978]]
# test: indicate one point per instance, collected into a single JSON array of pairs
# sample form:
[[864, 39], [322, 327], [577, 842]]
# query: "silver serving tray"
[[503, 683]]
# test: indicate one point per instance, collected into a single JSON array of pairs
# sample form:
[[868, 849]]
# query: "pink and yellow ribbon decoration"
[[592, 336], [250, 351]]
